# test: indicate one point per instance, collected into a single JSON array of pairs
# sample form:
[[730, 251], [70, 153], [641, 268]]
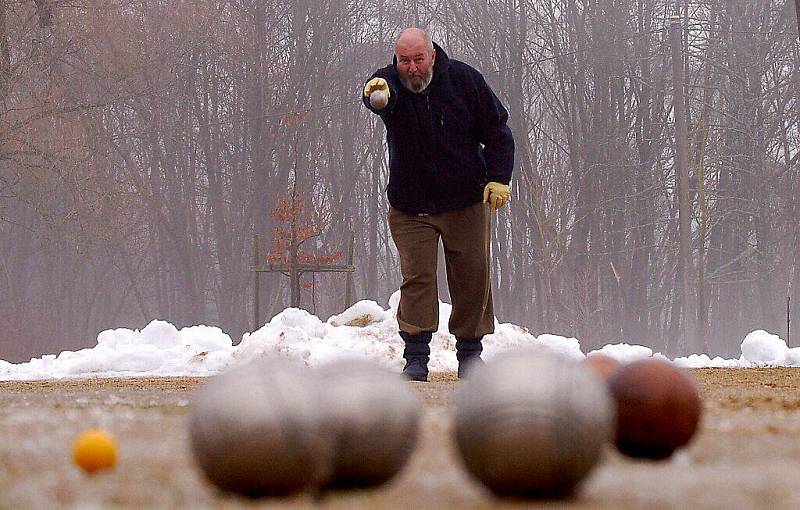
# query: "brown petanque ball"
[[658, 408], [256, 431], [373, 415], [532, 424], [604, 366]]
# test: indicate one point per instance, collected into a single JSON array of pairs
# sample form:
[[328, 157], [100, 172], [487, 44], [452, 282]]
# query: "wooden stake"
[[294, 271], [348, 294]]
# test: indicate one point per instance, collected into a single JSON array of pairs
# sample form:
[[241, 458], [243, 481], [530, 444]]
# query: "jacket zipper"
[[430, 110]]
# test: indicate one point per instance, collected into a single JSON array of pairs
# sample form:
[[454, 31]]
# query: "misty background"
[[143, 144]]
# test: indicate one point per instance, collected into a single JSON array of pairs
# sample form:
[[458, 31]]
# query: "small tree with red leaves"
[[298, 222]]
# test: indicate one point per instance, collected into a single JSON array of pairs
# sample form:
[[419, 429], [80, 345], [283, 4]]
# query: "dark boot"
[[416, 353], [468, 354]]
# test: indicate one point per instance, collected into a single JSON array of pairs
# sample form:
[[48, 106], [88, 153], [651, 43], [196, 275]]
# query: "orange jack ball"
[[94, 449], [658, 408]]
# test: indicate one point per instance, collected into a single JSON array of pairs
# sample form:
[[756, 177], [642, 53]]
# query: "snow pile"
[[299, 335], [362, 314], [624, 353], [566, 347], [762, 347], [364, 331], [704, 361], [158, 349]]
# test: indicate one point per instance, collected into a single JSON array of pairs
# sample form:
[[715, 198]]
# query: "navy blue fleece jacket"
[[446, 142]]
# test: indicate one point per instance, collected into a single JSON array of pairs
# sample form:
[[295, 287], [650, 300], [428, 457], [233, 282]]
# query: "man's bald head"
[[415, 58], [413, 36]]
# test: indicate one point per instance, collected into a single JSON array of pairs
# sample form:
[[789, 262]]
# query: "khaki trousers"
[[465, 235]]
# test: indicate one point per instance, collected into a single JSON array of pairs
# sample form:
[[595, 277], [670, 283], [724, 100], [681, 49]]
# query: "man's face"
[[415, 64]]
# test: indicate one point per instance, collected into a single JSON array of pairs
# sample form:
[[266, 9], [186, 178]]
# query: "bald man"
[[451, 155]]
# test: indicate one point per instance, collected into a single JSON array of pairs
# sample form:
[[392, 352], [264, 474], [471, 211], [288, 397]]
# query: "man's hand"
[[376, 84], [496, 195]]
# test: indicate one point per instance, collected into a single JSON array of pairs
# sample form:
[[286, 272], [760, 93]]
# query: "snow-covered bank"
[[365, 330]]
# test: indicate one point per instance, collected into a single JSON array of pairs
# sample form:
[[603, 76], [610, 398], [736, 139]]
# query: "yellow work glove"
[[376, 84], [496, 195]]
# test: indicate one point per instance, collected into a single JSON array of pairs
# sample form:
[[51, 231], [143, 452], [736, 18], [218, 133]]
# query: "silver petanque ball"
[[255, 430], [373, 415], [532, 424], [378, 99]]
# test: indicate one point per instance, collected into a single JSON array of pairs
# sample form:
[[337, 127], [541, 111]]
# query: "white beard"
[[427, 78]]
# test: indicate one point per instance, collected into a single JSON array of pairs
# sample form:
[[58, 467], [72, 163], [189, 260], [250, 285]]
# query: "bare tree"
[[142, 145]]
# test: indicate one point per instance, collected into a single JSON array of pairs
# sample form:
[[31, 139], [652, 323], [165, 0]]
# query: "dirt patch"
[[745, 456]]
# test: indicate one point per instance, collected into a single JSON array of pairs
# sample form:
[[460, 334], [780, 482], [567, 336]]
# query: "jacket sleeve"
[[388, 110], [494, 133]]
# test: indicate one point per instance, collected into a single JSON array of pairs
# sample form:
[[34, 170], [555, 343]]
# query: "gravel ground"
[[747, 454]]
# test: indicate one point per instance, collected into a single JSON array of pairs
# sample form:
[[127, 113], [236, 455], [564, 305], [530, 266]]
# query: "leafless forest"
[[144, 143]]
